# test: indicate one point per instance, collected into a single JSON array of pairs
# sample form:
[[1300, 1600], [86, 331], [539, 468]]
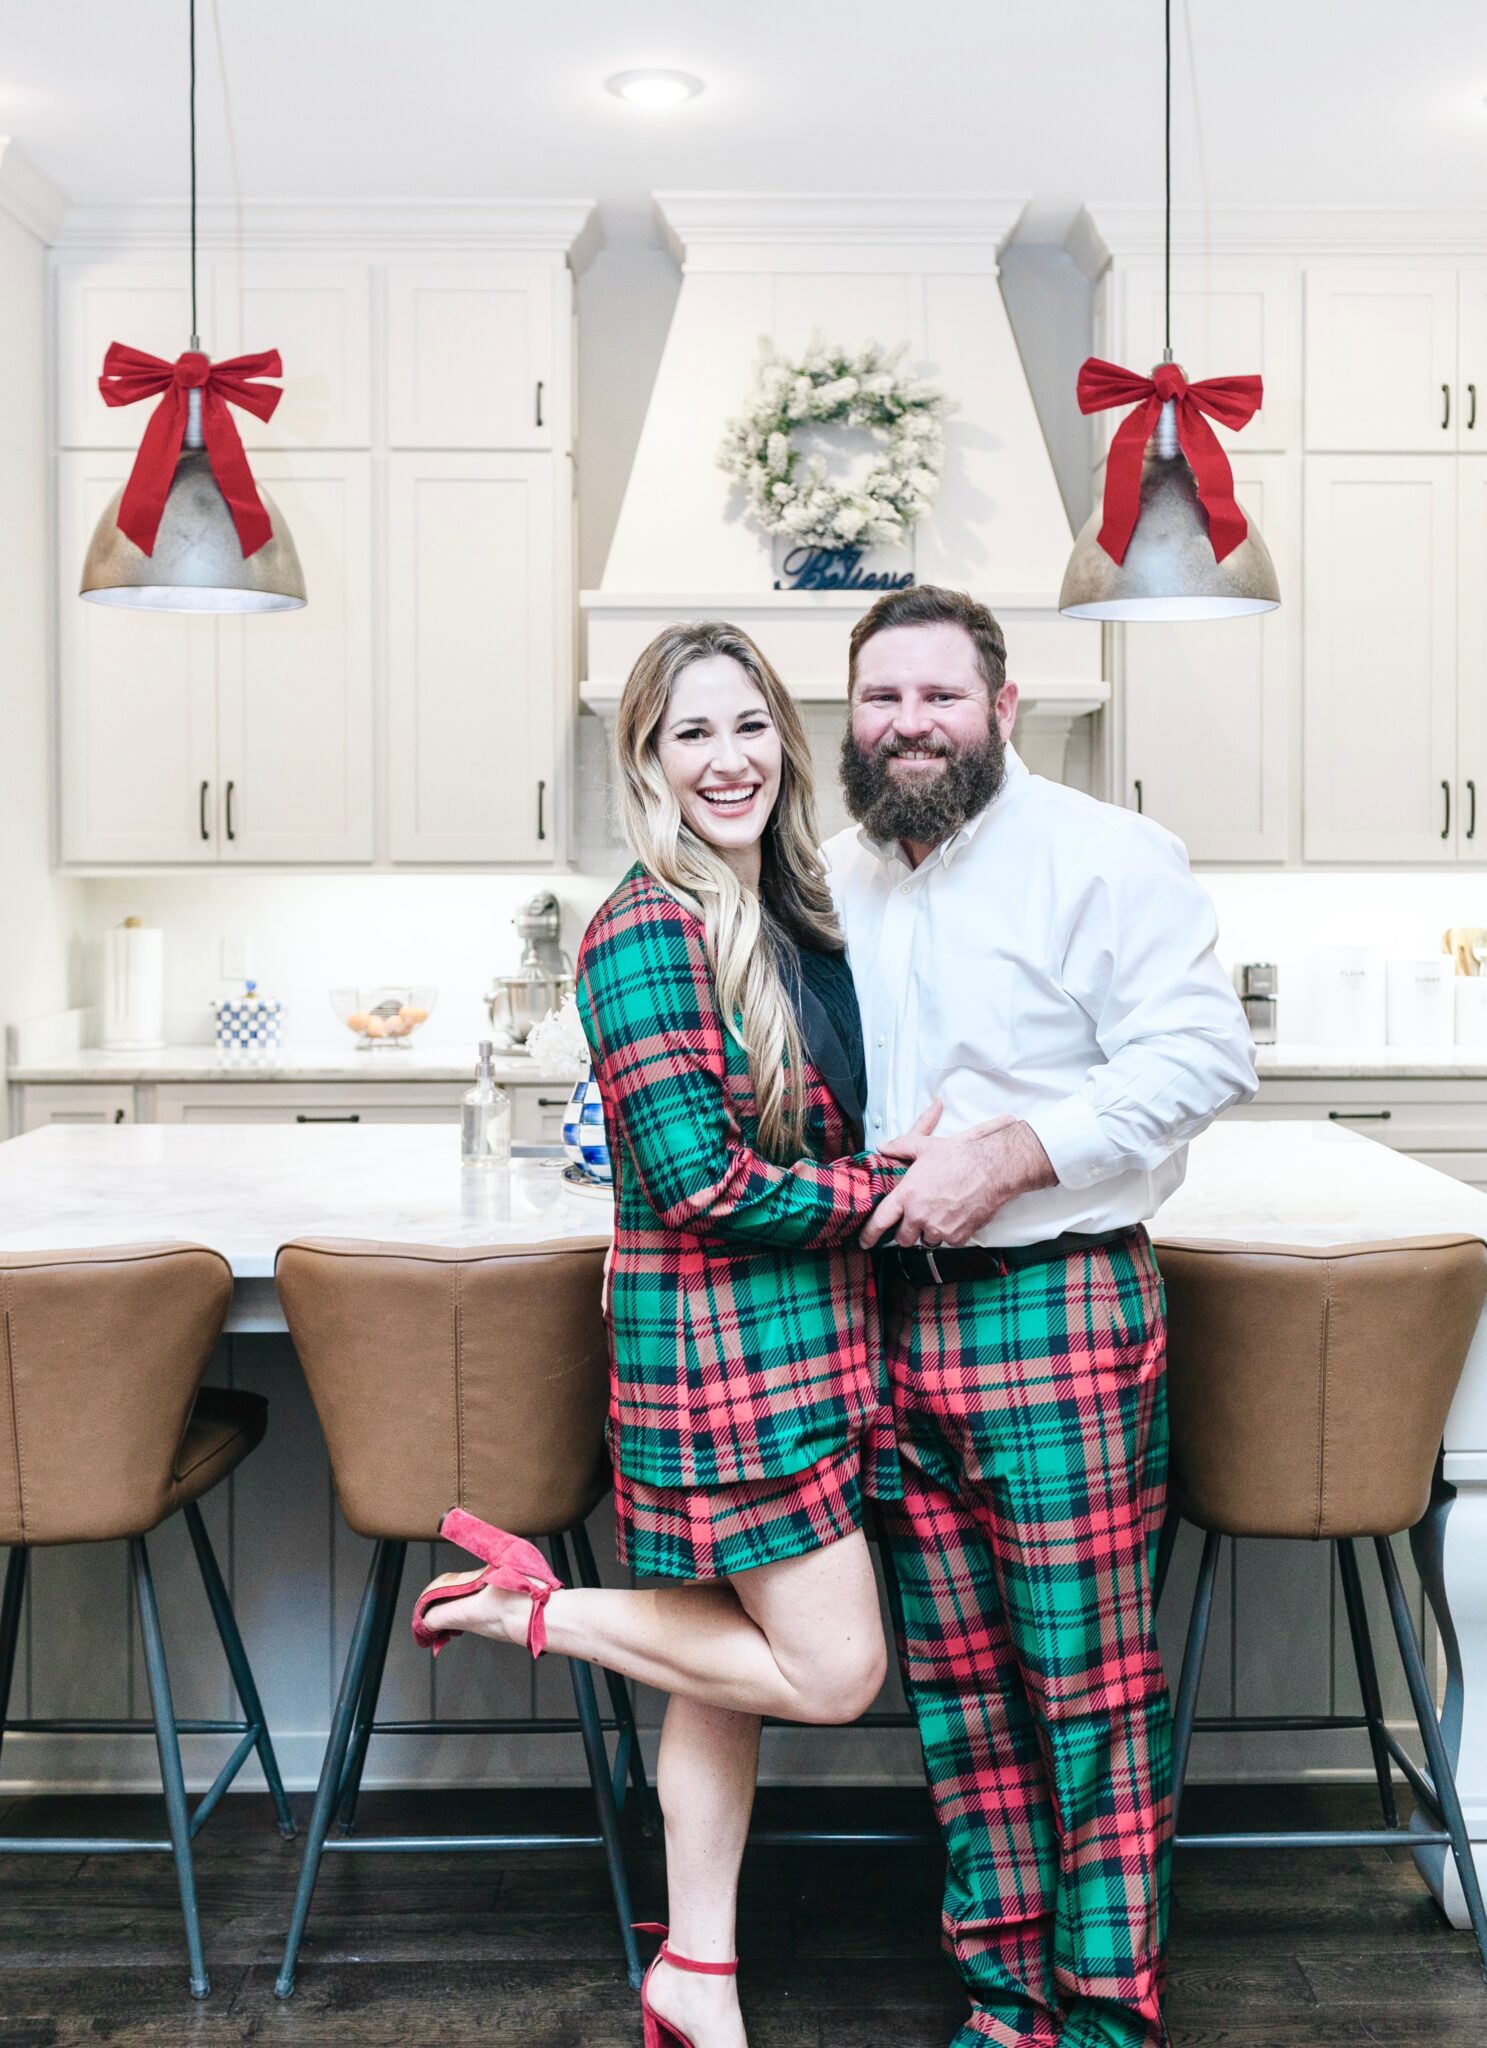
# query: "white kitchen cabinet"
[[142, 303], [1207, 706], [294, 751], [1471, 360], [194, 740], [471, 357], [471, 657], [1471, 702], [1237, 319], [317, 314], [1380, 652], [137, 720], [1382, 360], [309, 1102]]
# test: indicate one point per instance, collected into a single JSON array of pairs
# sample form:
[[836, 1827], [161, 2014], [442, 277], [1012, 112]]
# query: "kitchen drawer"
[[287, 1102], [537, 1113], [1425, 1116], [84, 1103]]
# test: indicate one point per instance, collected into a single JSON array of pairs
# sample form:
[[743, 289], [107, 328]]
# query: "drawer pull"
[[1140, 801], [351, 1116], [118, 1116], [1359, 1116], [553, 1101]]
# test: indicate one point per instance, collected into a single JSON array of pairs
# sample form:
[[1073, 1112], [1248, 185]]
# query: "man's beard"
[[926, 809]]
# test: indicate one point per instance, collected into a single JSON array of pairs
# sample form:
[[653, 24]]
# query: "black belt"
[[919, 1266]]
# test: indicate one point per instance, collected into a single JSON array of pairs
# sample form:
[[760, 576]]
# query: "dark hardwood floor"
[[1269, 1949]]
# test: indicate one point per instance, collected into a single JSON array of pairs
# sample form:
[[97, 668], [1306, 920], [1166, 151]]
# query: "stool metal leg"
[[237, 1663], [599, 1778], [330, 1772], [1368, 1677], [371, 1685], [621, 1702], [1192, 1668], [167, 1744], [1166, 1544], [10, 1627], [1441, 1776]]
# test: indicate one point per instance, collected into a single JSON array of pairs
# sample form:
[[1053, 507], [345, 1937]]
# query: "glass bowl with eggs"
[[384, 1017]]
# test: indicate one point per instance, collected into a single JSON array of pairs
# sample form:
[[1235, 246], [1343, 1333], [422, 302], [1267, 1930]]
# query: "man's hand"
[[955, 1185]]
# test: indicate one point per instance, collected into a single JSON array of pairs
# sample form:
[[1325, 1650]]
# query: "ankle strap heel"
[[669, 1955]]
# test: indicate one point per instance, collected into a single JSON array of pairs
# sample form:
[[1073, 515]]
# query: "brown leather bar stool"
[[474, 1378], [105, 1430], [1308, 1392]]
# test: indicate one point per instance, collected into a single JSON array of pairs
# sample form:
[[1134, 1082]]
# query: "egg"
[[412, 1014], [358, 1020], [373, 1027]]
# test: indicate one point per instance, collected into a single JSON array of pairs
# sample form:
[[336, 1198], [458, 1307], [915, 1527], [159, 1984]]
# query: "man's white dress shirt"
[[1052, 961]]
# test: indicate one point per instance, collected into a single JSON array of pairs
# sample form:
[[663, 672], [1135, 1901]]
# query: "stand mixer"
[[543, 979]]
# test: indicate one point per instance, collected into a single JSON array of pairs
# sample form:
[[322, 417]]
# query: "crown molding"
[[697, 224], [552, 227], [28, 195], [1129, 232]]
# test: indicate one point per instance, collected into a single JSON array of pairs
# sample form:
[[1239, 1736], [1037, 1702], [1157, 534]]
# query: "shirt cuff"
[[1070, 1133]]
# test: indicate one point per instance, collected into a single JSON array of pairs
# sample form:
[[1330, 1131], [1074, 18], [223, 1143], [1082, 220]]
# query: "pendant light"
[[191, 531], [1170, 541]]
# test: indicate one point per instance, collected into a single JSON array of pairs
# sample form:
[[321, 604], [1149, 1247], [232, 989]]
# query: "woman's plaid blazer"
[[742, 1319]]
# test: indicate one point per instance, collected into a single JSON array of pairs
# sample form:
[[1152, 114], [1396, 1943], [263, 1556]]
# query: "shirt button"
[[903, 888], [877, 1123], [881, 1039]]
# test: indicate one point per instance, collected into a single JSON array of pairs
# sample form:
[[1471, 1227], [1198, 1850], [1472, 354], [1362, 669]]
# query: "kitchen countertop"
[[333, 1062], [295, 1063]]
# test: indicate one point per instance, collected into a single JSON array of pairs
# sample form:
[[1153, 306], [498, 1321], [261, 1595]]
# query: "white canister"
[[1471, 1009], [133, 987], [1421, 1006], [1348, 1001]]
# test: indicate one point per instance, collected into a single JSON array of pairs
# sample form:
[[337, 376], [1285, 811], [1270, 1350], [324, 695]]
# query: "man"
[[1044, 963]]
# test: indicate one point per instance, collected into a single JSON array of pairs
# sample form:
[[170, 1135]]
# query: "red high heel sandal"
[[661, 2033], [510, 1562]]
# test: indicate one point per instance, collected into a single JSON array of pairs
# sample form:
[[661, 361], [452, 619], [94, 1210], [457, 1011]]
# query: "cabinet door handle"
[[1445, 406], [1359, 1116], [230, 833], [1471, 809], [352, 1116], [541, 810], [118, 1116], [553, 1101], [1140, 800], [201, 810], [1471, 416], [1446, 828], [539, 401]]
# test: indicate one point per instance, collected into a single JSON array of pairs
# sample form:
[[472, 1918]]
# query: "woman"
[[747, 1413]]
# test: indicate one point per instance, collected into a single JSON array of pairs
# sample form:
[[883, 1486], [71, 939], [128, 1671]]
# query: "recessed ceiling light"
[[654, 90]]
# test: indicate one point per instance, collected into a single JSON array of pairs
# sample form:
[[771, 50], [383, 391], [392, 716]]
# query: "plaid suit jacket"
[[742, 1317]]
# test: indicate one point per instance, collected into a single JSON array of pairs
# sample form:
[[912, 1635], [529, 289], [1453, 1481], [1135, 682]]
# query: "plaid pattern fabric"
[[675, 1532], [1033, 1444], [742, 1324]]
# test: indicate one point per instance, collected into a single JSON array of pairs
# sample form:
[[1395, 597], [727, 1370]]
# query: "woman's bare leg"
[[801, 1639], [708, 1766]]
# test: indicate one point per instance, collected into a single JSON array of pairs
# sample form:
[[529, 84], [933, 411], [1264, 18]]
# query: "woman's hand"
[[912, 1143]]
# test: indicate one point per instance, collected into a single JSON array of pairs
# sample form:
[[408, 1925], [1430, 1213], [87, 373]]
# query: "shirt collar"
[[889, 851]]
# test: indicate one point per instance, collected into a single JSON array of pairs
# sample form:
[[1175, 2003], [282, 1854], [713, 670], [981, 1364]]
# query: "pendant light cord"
[[1166, 289], [195, 334]]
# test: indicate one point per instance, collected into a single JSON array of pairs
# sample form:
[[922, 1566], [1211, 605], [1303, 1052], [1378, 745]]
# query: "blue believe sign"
[[808, 568]]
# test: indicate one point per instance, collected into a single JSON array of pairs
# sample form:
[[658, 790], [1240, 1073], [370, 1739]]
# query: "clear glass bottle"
[[485, 1124]]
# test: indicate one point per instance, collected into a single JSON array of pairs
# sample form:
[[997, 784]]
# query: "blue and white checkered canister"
[[583, 1129], [248, 1023]]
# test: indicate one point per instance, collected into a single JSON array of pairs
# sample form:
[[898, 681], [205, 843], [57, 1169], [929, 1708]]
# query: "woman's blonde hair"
[[742, 930]]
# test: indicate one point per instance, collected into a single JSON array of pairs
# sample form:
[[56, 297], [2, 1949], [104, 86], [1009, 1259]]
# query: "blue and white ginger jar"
[[583, 1129]]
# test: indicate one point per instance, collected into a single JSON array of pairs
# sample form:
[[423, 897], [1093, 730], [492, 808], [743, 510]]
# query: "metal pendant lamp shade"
[[1169, 572], [198, 563]]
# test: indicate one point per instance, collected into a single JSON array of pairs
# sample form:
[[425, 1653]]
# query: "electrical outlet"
[[234, 959]]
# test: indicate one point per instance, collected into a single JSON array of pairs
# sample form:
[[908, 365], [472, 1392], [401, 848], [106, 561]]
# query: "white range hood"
[[921, 269]]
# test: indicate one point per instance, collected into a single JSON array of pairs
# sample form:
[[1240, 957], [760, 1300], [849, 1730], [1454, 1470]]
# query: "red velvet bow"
[[1234, 400], [129, 375]]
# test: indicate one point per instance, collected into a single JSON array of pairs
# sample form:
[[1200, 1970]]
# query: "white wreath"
[[830, 386]]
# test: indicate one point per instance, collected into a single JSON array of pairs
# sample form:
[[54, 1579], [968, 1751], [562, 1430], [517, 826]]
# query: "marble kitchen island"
[[297, 1571]]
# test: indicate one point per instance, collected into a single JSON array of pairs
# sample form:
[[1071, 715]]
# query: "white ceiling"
[[1320, 101]]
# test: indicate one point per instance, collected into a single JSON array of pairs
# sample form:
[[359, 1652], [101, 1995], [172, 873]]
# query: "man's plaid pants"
[[1032, 1427]]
